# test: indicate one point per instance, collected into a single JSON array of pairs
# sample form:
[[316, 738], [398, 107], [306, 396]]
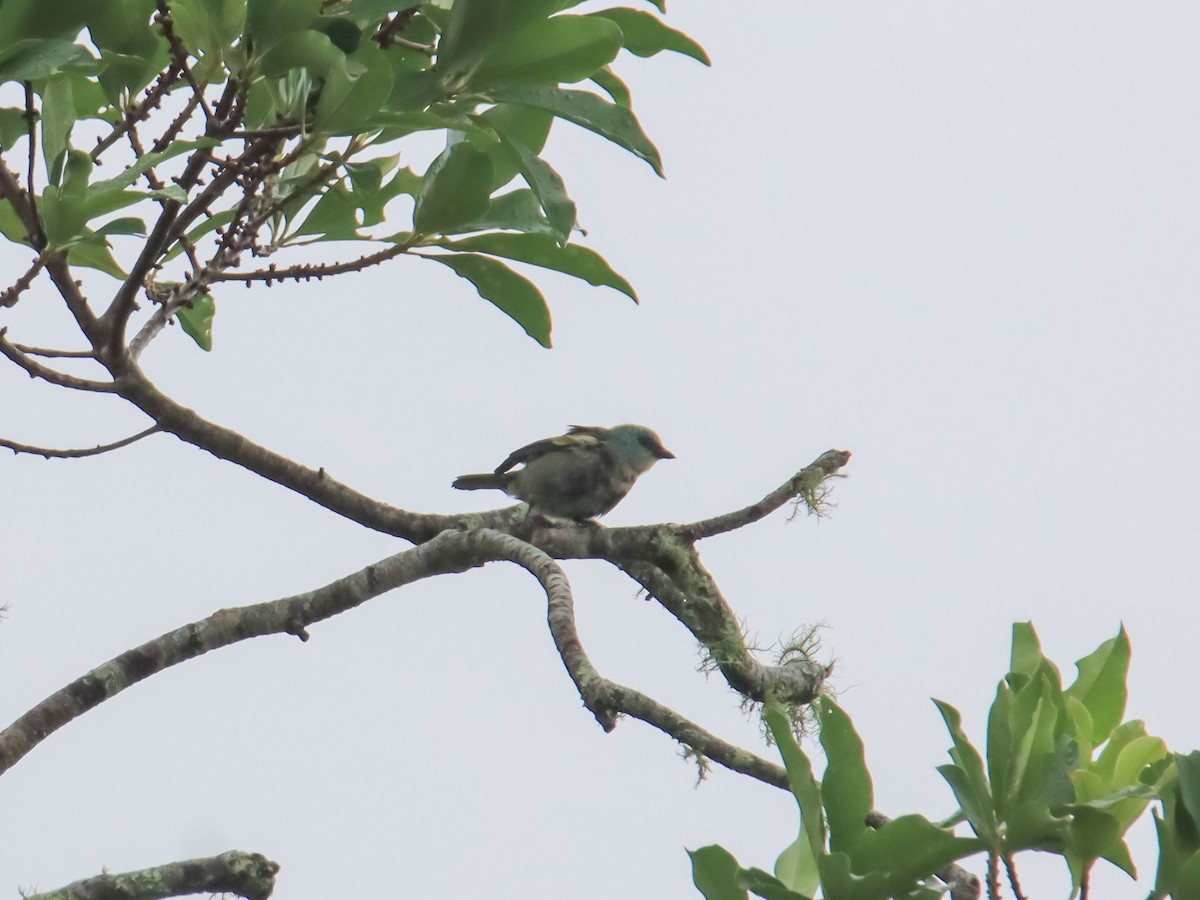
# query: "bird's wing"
[[577, 439]]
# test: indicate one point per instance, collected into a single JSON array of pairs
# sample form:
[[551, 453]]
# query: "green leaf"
[[800, 779], [32, 60], [343, 33], [456, 190], [796, 867], [646, 35], [967, 778], [58, 118], [302, 49], [125, 74], [475, 26], [549, 51], [616, 123], [547, 185], [13, 126], [1188, 769], [63, 208], [1135, 757], [543, 250], [11, 225], [21, 19], [268, 21], [372, 194], [1000, 749], [510, 124], [526, 125], [124, 225], [714, 872], [514, 211], [1032, 826], [94, 254], [119, 183], [124, 27], [846, 788], [608, 82], [1027, 654], [1091, 833], [1188, 883], [1100, 685], [335, 215], [209, 27], [349, 102], [766, 885], [513, 295], [907, 850], [196, 318], [1082, 727]]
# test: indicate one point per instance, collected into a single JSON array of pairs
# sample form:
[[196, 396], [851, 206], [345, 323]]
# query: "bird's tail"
[[490, 481]]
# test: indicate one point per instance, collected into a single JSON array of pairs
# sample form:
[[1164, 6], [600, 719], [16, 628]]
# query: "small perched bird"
[[578, 475]]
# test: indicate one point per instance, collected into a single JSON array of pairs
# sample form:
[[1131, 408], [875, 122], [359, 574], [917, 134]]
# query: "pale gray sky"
[[957, 239]]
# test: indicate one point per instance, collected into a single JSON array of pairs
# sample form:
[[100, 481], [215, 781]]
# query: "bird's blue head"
[[637, 446]]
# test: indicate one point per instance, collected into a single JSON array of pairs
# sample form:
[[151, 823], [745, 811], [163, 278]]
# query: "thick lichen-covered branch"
[[451, 551], [604, 698], [249, 875]]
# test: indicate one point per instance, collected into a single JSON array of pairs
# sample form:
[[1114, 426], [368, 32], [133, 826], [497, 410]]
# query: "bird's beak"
[[664, 453]]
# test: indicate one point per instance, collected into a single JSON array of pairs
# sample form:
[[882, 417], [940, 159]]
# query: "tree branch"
[[806, 484], [77, 454], [249, 875], [36, 370], [10, 295], [315, 484], [704, 612], [53, 353], [306, 271], [604, 698], [170, 221], [11, 190], [450, 551]]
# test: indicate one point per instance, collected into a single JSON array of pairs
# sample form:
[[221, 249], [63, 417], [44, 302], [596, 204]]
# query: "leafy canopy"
[[261, 125]]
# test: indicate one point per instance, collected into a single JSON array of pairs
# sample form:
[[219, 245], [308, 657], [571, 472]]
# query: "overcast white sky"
[[957, 239]]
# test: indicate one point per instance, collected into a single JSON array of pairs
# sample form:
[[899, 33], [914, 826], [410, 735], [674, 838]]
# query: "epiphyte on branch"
[[578, 475]]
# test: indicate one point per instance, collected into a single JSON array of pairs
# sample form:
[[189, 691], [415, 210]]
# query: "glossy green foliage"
[[1060, 773], [328, 105], [836, 853]]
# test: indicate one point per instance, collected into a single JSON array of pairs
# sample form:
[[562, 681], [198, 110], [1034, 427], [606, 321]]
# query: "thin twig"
[[806, 480], [179, 53], [36, 370], [134, 114], [30, 119], [50, 352], [306, 271], [117, 315], [391, 27], [77, 454], [23, 206], [1010, 867], [165, 139], [10, 295]]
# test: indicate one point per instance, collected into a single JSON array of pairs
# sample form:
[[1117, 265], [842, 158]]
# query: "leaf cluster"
[[1062, 773], [259, 125]]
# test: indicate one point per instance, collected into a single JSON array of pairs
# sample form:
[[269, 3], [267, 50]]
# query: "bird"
[[578, 475]]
